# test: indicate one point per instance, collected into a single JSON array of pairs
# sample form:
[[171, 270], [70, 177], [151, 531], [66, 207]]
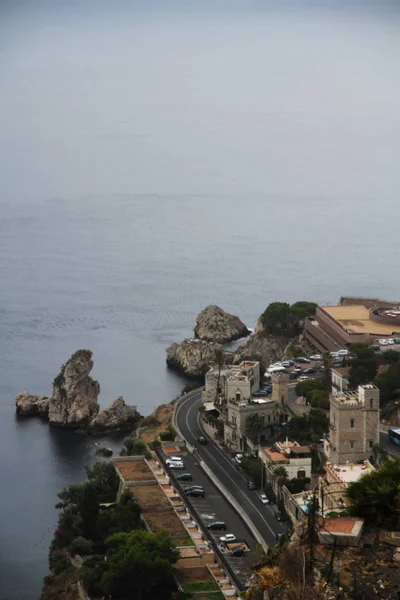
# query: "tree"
[[389, 384], [81, 546], [134, 447], [304, 387], [123, 516], [253, 468], [277, 318], [138, 563], [104, 479], [389, 357], [363, 365], [374, 496], [318, 399], [254, 425], [219, 359], [89, 511]]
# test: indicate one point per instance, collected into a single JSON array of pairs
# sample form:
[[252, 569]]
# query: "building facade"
[[294, 458], [280, 388], [242, 381], [236, 434], [353, 425], [340, 379]]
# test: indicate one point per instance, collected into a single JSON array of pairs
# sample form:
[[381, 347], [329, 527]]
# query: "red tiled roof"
[[341, 524]]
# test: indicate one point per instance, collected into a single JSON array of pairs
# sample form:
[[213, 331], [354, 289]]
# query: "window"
[[352, 444], [233, 420], [371, 403], [263, 421], [269, 418], [238, 396], [234, 438], [301, 474], [371, 443], [352, 423]]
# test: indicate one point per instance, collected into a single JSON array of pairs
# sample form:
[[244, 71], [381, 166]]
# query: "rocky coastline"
[[74, 401]]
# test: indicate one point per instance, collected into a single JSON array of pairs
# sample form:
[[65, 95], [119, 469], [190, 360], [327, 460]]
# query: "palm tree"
[[282, 476], [220, 360]]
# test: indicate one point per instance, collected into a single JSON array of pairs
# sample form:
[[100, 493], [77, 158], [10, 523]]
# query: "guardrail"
[[239, 585]]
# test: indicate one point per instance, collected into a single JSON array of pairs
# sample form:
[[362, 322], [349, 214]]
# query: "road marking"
[[229, 477]]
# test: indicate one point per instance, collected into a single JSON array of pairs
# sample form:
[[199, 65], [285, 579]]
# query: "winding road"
[[262, 516]]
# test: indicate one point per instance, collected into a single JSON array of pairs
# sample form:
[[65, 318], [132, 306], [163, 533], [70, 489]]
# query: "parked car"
[[172, 459], [293, 375], [229, 537], [238, 552], [279, 516], [251, 485], [202, 440], [303, 377], [238, 458], [217, 525], [196, 493], [264, 499], [396, 340], [177, 465], [286, 363], [391, 342], [316, 357], [184, 477], [309, 371], [302, 360], [194, 487], [297, 370], [342, 352]]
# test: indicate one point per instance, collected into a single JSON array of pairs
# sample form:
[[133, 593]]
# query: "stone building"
[[242, 381], [353, 425], [235, 425], [280, 388]]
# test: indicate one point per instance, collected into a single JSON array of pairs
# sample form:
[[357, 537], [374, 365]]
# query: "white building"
[[340, 379], [294, 458]]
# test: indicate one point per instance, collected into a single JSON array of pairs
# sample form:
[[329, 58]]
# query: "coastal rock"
[[73, 402], [193, 357], [215, 325], [117, 416], [31, 405], [260, 346]]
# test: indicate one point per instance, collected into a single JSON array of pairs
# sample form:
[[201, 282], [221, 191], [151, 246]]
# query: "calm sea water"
[[155, 161]]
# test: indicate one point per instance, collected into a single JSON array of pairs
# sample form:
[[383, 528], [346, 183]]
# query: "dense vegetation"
[[120, 553], [279, 318], [313, 390], [376, 496]]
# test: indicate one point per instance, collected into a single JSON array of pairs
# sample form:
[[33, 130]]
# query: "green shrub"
[[58, 562], [149, 421], [167, 436], [81, 546]]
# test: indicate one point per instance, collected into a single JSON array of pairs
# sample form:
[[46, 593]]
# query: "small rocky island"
[[74, 401], [215, 327]]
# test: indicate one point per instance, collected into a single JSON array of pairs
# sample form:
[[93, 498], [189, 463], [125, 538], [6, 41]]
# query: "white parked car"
[[173, 459], [303, 378], [229, 537], [383, 342], [316, 357], [342, 352], [177, 465], [264, 499], [390, 342]]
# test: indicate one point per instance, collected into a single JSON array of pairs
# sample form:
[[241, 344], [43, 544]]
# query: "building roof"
[[343, 525], [342, 371], [149, 496], [348, 473], [276, 457], [356, 319], [134, 470]]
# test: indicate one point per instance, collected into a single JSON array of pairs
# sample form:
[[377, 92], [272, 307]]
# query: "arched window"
[[238, 396], [352, 423], [301, 474]]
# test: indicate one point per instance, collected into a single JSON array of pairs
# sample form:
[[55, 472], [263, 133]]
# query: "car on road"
[[238, 458], [176, 465], [202, 440], [184, 477], [229, 537], [316, 357], [217, 525], [264, 499], [303, 377], [279, 516], [172, 459], [238, 552], [196, 493], [251, 485]]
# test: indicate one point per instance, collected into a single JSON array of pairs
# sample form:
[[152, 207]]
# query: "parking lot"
[[214, 507]]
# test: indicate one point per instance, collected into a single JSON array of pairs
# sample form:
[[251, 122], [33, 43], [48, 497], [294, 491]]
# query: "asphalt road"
[[262, 516], [214, 507]]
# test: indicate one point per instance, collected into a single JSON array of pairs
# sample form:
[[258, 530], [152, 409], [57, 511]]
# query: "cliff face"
[[74, 399], [31, 405], [117, 416], [262, 347], [215, 325], [193, 357]]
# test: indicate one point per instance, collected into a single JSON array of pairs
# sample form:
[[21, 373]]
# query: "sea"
[[159, 156]]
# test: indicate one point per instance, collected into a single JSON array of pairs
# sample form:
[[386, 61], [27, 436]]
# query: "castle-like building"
[[353, 425]]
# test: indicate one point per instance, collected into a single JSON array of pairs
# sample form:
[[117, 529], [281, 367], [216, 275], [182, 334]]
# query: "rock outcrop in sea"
[[117, 416], [193, 357], [213, 324], [30, 405], [261, 346], [74, 401]]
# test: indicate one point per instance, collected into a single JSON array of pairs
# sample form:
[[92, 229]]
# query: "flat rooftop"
[[168, 521], [276, 457], [149, 496], [344, 525], [134, 470], [356, 319], [348, 473]]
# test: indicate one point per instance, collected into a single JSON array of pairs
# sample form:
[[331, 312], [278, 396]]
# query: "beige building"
[[332, 487], [235, 429], [242, 381], [340, 379], [353, 425], [295, 458], [280, 388]]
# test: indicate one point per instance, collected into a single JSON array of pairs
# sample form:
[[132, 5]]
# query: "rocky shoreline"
[[74, 401]]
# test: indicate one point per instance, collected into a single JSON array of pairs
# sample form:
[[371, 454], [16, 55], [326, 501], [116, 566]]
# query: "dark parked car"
[[238, 552], [196, 493], [309, 371], [217, 525], [184, 477], [202, 440], [302, 360], [279, 516]]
